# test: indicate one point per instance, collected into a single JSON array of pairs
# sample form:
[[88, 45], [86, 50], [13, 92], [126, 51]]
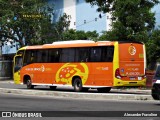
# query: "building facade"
[[156, 10], [83, 15]]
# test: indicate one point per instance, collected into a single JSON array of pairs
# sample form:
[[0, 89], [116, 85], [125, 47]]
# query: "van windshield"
[[157, 75]]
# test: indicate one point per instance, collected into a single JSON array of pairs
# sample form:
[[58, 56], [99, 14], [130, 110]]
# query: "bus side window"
[[53, 55], [67, 55], [95, 55], [29, 57], [32, 58], [107, 54], [110, 52], [82, 54], [42, 56], [26, 57]]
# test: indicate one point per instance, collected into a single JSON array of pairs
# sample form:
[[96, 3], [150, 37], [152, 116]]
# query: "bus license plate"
[[132, 78], [139, 78]]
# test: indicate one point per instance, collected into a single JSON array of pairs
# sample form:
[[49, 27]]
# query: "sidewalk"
[[124, 89], [114, 94], [5, 78]]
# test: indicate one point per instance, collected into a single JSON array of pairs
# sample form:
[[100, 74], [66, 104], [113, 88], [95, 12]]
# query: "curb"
[[93, 96]]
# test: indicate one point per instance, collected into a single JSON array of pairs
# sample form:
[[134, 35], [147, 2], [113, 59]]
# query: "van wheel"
[[104, 90], [29, 84], [77, 85], [155, 92], [156, 97]]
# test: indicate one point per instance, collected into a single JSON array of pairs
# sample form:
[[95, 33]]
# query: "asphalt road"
[[13, 102], [41, 104], [36, 100]]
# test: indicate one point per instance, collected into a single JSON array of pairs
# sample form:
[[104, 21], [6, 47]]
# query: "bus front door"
[[17, 68]]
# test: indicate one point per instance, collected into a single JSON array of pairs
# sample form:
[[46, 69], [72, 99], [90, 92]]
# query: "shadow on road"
[[113, 91]]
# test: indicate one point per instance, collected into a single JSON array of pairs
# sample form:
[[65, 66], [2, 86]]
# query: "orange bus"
[[82, 64]]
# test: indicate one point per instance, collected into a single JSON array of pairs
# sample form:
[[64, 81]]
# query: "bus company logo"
[[132, 50], [68, 70], [6, 114], [42, 68]]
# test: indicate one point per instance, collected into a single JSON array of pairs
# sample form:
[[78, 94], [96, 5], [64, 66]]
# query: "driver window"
[[19, 61]]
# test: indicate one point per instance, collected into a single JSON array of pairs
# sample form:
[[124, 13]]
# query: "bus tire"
[[77, 84], [29, 84], [104, 90]]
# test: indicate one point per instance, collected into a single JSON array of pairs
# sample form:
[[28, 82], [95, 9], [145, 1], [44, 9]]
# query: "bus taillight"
[[117, 74]]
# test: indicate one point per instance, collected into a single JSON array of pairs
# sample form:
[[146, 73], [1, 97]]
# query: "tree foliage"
[[54, 31], [21, 20], [130, 18], [59, 28], [29, 22], [80, 35], [153, 48], [103, 5]]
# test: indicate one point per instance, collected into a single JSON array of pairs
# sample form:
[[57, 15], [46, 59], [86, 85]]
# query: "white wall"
[[7, 48], [70, 9]]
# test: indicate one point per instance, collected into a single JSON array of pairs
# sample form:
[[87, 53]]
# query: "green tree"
[[80, 35], [29, 22], [108, 35], [59, 28], [92, 35], [103, 5], [153, 48], [130, 18], [23, 20]]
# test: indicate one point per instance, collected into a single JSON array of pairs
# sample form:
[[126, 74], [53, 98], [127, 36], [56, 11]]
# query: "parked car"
[[156, 84]]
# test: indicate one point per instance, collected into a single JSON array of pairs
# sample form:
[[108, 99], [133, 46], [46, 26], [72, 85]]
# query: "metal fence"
[[5, 70]]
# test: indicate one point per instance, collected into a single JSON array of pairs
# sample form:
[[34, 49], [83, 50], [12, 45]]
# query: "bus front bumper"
[[122, 83]]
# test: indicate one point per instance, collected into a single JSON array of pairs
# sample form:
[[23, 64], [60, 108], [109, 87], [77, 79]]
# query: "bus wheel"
[[53, 87], [104, 90], [77, 85], [29, 84]]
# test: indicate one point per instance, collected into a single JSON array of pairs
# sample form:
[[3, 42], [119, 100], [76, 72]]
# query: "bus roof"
[[130, 42], [74, 43]]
